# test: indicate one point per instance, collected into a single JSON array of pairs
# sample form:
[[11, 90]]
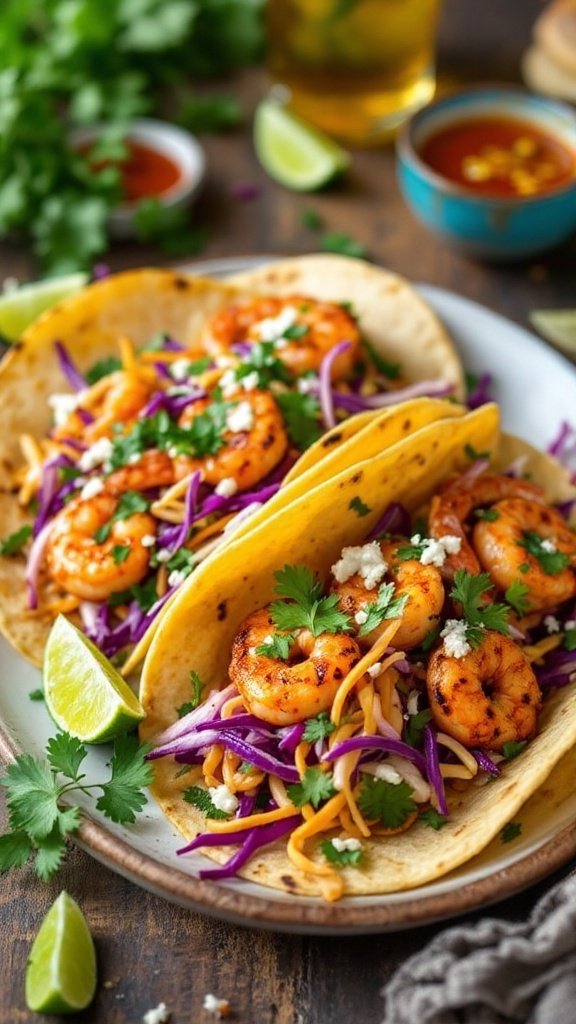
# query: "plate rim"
[[311, 915]]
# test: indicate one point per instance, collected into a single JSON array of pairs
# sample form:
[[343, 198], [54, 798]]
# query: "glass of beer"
[[354, 68]]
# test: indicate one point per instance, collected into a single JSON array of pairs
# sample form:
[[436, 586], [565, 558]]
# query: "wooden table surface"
[[149, 950]]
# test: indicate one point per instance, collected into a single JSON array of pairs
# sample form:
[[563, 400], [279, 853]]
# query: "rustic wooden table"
[[149, 950]]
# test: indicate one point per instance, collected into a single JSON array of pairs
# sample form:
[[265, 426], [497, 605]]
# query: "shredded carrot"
[[128, 355], [232, 706], [210, 530], [230, 763], [278, 791], [211, 763], [536, 652], [169, 356], [323, 820], [369, 659], [62, 605], [366, 701], [162, 581], [300, 755], [457, 748], [241, 824], [348, 825], [350, 799], [455, 771]]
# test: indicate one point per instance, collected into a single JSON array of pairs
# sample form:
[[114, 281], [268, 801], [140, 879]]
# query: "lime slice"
[[292, 151], [20, 307], [558, 326], [84, 693], [61, 969]]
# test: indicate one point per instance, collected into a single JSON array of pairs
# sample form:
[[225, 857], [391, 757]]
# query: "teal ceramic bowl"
[[480, 225]]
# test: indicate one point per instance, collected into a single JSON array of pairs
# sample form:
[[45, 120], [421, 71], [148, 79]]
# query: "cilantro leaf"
[[128, 505], [551, 562], [345, 245], [385, 801], [308, 610], [311, 219], [430, 638], [513, 748], [570, 640], [299, 583], [66, 754], [510, 831], [382, 608], [384, 366], [32, 796], [474, 455], [339, 857], [103, 368], [315, 787], [358, 506], [318, 728], [301, 415], [13, 544], [122, 795], [15, 850], [489, 515], [36, 695], [468, 591], [197, 687], [120, 553], [263, 360], [432, 819], [516, 596], [296, 331], [50, 853], [210, 114], [201, 799], [415, 727], [278, 647]]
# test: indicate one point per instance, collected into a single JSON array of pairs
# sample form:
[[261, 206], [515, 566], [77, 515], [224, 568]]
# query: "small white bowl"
[[172, 142]]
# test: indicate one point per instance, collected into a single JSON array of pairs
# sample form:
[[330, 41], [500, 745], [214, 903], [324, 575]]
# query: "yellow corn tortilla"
[[138, 304], [197, 634]]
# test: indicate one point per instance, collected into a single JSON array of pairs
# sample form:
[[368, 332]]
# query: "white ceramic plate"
[[536, 389]]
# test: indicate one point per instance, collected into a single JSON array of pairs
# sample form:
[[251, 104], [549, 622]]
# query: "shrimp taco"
[[353, 673], [154, 410]]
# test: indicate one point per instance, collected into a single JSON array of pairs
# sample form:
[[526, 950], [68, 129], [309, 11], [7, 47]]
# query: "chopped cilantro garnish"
[[524, 568], [198, 366], [516, 596], [314, 787], [263, 360], [387, 802], [305, 608], [358, 506], [201, 799], [311, 219], [197, 687], [130, 503], [36, 695], [302, 417], [68, 473], [433, 819], [144, 594], [415, 727], [318, 728], [120, 553], [408, 551], [551, 562], [296, 331], [339, 857], [382, 608], [512, 748], [570, 640], [473, 455], [340, 242], [103, 368], [510, 831], [488, 514], [468, 591], [386, 368], [430, 638], [278, 647], [348, 307], [182, 561], [13, 544], [202, 437]]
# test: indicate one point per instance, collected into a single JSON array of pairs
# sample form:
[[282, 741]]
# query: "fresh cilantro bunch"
[[468, 591], [35, 795], [67, 64], [304, 607]]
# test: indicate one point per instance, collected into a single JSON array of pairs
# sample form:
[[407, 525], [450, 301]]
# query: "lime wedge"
[[84, 693], [292, 151], [61, 969], [20, 307], [558, 326]]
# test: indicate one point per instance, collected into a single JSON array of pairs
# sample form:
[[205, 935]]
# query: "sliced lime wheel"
[[61, 970], [292, 151], [84, 693], [20, 307]]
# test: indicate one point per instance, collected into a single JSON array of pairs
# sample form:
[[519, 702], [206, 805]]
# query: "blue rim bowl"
[[483, 226]]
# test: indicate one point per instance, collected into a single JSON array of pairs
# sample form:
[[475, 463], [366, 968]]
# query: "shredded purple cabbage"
[[485, 763], [173, 404], [253, 839], [558, 670], [388, 746], [100, 271], [245, 191], [433, 768], [70, 371], [480, 394], [394, 519], [325, 392]]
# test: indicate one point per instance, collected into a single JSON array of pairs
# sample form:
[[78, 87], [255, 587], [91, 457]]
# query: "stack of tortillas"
[[549, 65]]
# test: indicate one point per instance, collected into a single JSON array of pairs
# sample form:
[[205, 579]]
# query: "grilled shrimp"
[[486, 698], [420, 584], [81, 565], [451, 508], [501, 545], [154, 469], [286, 692], [253, 442], [304, 330]]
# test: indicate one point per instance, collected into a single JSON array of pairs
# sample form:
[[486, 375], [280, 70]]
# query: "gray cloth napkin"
[[494, 971]]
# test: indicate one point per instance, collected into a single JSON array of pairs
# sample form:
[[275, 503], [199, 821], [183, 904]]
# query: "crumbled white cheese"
[[223, 362], [172, 451], [250, 381], [157, 1016], [361, 617], [436, 551], [454, 636], [386, 773], [274, 327], [412, 702], [366, 560], [96, 455], [180, 369], [307, 384], [552, 624], [549, 546], [375, 670], [268, 639], [223, 799], [240, 417], [63, 405], [176, 577], [148, 540], [346, 844], [91, 488], [227, 487], [570, 624], [228, 383], [164, 555], [216, 1006], [134, 459]]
